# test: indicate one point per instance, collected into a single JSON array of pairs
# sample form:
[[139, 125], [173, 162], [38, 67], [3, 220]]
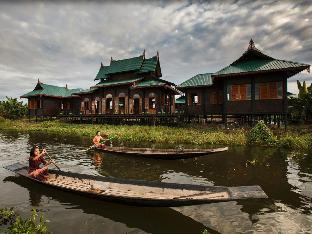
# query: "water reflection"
[[97, 160]]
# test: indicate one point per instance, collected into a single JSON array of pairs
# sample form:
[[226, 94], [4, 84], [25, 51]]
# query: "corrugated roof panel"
[[124, 65], [180, 100], [117, 82], [198, 80], [149, 83], [259, 65], [149, 65]]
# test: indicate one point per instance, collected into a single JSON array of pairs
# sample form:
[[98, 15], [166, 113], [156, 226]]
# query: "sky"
[[65, 42]]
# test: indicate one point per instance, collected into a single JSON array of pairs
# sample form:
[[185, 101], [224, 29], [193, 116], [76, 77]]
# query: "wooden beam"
[[253, 97]]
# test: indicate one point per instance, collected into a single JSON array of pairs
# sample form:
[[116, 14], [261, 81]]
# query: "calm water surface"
[[285, 176]]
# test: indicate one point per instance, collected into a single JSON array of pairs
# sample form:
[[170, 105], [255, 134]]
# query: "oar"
[[89, 148], [51, 160], [43, 147]]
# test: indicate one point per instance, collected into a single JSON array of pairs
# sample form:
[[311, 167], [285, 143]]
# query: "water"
[[286, 177]]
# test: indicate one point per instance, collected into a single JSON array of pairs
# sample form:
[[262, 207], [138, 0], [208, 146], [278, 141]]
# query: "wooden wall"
[[226, 106]]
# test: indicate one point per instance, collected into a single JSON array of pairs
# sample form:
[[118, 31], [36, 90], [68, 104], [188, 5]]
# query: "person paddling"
[[97, 140], [35, 160]]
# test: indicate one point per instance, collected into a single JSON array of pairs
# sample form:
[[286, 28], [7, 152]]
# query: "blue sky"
[[65, 42]]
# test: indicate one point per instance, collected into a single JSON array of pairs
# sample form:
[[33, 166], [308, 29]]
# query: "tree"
[[11, 108], [303, 90], [301, 107]]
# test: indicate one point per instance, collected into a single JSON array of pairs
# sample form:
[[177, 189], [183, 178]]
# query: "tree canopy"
[[11, 108]]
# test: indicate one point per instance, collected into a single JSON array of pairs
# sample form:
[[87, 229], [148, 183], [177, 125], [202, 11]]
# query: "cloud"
[[65, 42]]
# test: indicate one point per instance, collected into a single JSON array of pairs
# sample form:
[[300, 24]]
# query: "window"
[[86, 105], [109, 103], [34, 104], [194, 99], [152, 103], [38, 104], [269, 90], [239, 92], [167, 99]]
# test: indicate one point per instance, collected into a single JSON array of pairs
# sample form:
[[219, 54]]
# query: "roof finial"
[[251, 44], [66, 86], [38, 81], [102, 64], [144, 53], [157, 54], [111, 59]]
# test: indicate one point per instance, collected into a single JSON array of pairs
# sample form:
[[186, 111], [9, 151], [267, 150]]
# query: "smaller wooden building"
[[50, 100], [253, 86]]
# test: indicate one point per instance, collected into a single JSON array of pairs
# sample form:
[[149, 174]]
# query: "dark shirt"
[[35, 164]]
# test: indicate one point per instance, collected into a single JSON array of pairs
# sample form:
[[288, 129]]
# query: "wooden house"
[[254, 85], [129, 86], [50, 100]]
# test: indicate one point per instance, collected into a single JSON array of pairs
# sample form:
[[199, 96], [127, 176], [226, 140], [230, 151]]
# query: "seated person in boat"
[[98, 139], [35, 160]]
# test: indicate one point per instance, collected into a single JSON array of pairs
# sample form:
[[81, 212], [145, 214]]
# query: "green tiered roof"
[[137, 64], [117, 82], [254, 60], [149, 65], [50, 90], [259, 65], [124, 65], [149, 83], [198, 80]]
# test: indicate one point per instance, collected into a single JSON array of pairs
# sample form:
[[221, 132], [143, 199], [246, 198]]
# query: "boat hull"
[[162, 153], [138, 192]]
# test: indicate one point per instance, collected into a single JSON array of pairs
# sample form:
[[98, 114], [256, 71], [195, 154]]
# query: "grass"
[[163, 136]]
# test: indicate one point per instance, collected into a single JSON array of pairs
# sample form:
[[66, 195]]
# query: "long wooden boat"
[[140, 192], [162, 153]]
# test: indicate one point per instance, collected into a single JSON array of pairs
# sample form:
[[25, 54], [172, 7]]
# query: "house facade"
[[129, 87], [255, 84]]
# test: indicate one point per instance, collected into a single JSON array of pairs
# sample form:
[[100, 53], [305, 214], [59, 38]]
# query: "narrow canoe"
[[162, 153], [141, 192]]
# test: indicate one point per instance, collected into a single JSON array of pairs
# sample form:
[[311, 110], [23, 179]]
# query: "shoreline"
[[194, 136]]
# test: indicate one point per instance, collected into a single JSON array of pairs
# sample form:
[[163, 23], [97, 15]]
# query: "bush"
[[18, 225], [260, 134], [2, 119], [12, 109]]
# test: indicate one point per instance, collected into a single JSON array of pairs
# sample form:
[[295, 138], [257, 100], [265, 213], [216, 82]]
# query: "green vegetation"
[[12, 109], [135, 135], [300, 108], [260, 134], [193, 136], [15, 224]]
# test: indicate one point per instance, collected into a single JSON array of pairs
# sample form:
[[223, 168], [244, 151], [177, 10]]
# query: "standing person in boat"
[[35, 160], [98, 139]]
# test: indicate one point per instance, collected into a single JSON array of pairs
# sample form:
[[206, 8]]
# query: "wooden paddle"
[[51, 160]]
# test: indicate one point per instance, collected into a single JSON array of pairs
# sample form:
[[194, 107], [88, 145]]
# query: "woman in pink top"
[[35, 160]]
